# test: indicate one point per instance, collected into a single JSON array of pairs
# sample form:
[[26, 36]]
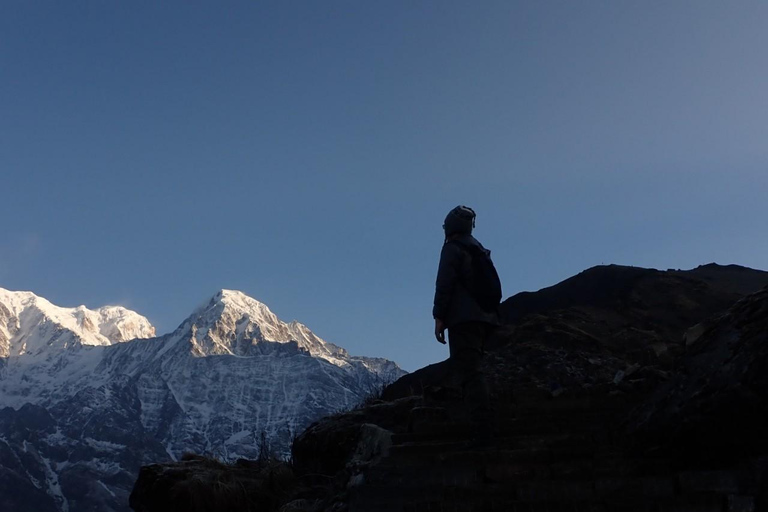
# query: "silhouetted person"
[[467, 294]]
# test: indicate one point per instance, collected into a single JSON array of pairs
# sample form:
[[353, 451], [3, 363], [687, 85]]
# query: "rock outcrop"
[[607, 323], [714, 409]]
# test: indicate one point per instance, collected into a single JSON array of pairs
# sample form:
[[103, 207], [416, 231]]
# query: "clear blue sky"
[[306, 153]]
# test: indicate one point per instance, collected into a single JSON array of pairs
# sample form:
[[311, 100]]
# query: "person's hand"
[[440, 330]]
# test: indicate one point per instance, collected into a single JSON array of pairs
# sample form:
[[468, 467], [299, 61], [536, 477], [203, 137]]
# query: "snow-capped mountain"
[[30, 325], [86, 406]]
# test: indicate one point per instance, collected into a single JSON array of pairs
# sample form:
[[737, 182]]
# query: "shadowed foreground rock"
[[202, 484], [715, 409], [605, 400]]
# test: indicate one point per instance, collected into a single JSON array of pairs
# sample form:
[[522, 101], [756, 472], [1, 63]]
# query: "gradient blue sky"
[[306, 153]]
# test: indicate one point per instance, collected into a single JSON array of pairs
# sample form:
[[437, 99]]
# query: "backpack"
[[485, 286]]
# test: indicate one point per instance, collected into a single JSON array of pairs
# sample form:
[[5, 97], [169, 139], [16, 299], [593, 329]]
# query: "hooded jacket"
[[453, 302]]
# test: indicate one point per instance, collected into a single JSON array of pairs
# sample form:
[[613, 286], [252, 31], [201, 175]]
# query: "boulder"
[[715, 407]]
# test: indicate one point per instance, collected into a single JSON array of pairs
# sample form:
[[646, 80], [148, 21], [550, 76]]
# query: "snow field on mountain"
[[100, 405]]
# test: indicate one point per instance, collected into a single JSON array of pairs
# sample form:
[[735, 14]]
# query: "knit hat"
[[459, 220]]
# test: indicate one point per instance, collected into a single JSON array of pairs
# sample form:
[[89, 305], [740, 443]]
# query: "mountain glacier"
[[87, 397]]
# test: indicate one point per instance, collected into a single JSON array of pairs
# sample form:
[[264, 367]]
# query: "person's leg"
[[466, 352]]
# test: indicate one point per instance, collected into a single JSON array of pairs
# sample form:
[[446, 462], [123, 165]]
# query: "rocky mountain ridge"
[[28, 324], [85, 408]]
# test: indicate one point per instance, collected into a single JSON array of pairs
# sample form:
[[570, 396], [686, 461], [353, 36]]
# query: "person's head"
[[459, 221]]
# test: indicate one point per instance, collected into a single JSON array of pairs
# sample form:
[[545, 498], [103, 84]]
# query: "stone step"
[[426, 415], [613, 491], [565, 405], [721, 481], [540, 404], [529, 463], [536, 497], [420, 451], [440, 447], [618, 490], [500, 438], [552, 406], [430, 476], [695, 502], [460, 489], [497, 471], [506, 415], [397, 497], [619, 466], [525, 425], [547, 416], [523, 394], [489, 504], [565, 446], [627, 495], [478, 473], [464, 454]]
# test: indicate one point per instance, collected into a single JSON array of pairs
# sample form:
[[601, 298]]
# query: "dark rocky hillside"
[[604, 320], [618, 389]]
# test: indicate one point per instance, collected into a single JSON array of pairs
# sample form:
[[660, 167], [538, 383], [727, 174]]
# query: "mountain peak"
[[234, 323], [237, 299], [225, 294], [231, 322], [27, 322], [233, 303]]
